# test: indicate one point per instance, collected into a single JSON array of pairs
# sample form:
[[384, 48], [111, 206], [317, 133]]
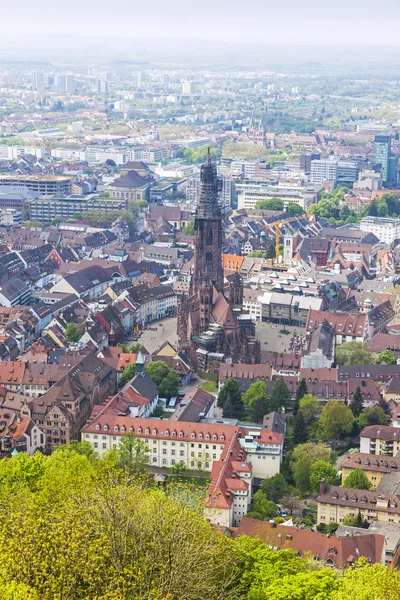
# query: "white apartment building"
[[323, 171], [386, 230], [15, 152], [250, 193]]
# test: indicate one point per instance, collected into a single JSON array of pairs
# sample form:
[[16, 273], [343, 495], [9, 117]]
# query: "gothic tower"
[[208, 232]]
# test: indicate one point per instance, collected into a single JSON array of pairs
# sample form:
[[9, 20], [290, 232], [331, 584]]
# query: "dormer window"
[[131, 429], [193, 435], [207, 436], [215, 437], [147, 430], [105, 427], [116, 428], [174, 434], [139, 430], [97, 427], [167, 432], [200, 436], [222, 438], [154, 431], [123, 429], [181, 434]]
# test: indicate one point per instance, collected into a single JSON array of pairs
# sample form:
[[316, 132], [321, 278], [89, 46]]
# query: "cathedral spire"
[[208, 159]]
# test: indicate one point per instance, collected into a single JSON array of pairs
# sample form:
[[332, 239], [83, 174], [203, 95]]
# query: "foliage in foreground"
[[77, 527]]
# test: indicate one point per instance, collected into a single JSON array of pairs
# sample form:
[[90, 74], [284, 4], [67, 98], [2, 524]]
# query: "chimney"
[[322, 487]]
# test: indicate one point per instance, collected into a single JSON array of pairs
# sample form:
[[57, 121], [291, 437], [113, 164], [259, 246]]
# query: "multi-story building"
[[374, 467], [250, 192], [188, 87], [323, 171], [48, 185], [384, 157], [37, 80], [45, 209], [347, 171], [335, 503], [221, 449], [386, 230], [380, 440]]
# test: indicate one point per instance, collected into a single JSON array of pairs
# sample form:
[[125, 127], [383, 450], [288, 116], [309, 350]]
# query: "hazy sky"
[[286, 21]]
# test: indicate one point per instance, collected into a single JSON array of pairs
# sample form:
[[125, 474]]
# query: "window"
[[173, 452], [164, 452], [164, 461], [104, 446], [182, 453]]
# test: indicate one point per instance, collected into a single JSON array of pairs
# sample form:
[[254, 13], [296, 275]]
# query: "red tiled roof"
[[338, 551]]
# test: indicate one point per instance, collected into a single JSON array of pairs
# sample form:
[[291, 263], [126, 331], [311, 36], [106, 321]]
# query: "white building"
[[386, 230], [323, 171]]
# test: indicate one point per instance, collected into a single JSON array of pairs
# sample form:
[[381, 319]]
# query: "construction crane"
[[277, 231]]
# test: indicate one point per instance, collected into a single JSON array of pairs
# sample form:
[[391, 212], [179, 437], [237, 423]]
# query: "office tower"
[[102, 86], [37, 80], [61, 82], [141, 78], [69, 83], [187, 87], [384, 157]]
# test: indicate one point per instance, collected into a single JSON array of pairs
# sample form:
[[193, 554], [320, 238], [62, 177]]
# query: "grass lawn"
[[209, 386]]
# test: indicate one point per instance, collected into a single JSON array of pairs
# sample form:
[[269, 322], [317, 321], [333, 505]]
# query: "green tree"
[[311, 451], [270, 253], [256, 400], [309, 408], [357, 405], [83, 448], [299, 431], [261, 508], [357, 480], [336, 420], [133, 454], [354, 353], [274, 487], [127, 374], [369, 582], [189, 228], [386, 357], [323, 470], [374, 416], [73, 333], [280, 396], [273, 204], [300, 392], [301, 474], [230, 400], [165, 378], [259, 409], [294, 209]]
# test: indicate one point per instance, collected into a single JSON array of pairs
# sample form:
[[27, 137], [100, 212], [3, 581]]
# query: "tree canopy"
[[336, 420], [323, 470], [73, 333], [354, 353], [357, 480], [165, 378], [386, 357], [230, 400]]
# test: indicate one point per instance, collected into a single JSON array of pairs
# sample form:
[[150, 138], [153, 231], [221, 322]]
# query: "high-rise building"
[[69, 83], [305, 160], [37, 80], [384, 157], [102, 86], [188, 87]]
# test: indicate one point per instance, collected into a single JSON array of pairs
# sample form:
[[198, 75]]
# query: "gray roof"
[[14, 288], [86, 279], [143, 385]]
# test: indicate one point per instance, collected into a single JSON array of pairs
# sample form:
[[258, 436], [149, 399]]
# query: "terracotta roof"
[[243, 371], [161, 429], [381, 432], [12, 373], [342, 323], [372, 462], [358, 499], [338, 551]]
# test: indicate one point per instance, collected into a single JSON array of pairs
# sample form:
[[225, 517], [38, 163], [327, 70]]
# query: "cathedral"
[[211, 326]]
